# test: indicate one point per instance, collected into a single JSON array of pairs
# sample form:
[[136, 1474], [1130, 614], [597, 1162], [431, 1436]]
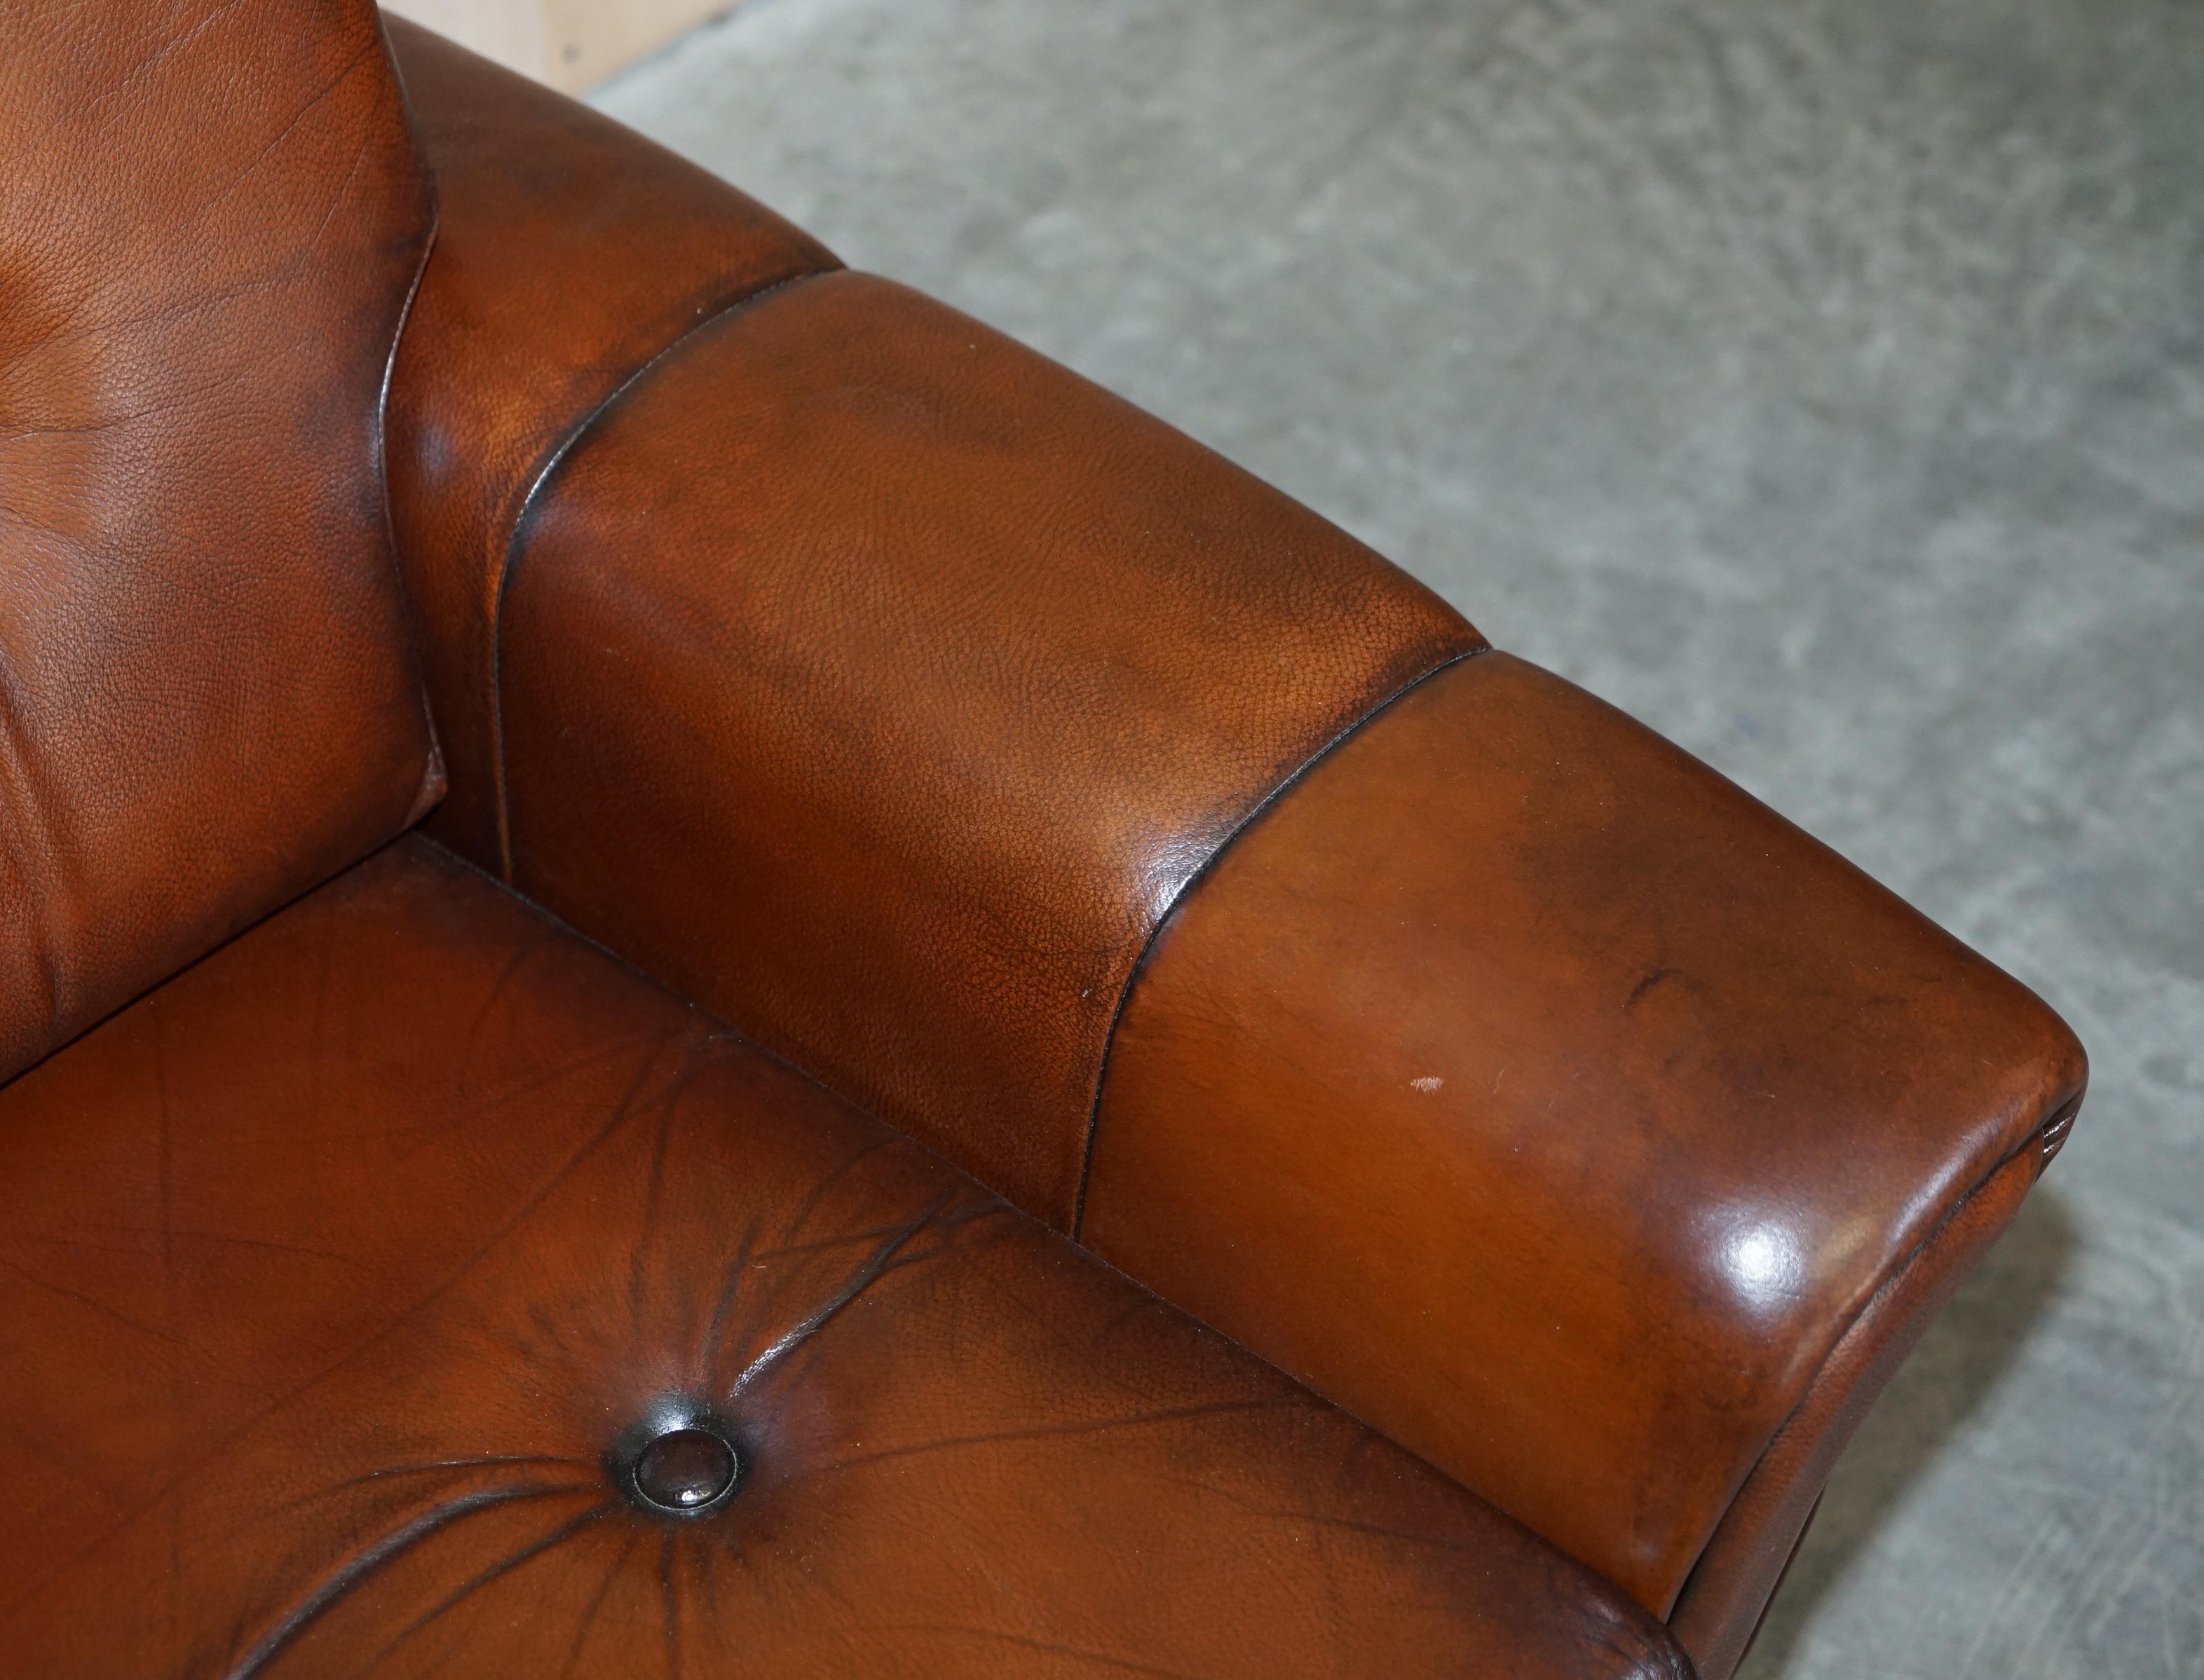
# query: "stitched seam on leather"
[[1186, 889], [22, 773], [550, 463], [1897, 1275]]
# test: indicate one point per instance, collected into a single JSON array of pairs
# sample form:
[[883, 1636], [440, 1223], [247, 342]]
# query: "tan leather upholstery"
[[410, 1287], [1659, 1094], [571, 252], [351, 1252], [970, 664], [211, 219], [988, 662]]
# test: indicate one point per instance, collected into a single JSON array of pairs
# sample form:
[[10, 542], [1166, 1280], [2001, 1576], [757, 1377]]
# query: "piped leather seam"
[[432, 770], [550, 463], [1186, 888]]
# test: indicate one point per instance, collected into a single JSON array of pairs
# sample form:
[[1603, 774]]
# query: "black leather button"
[[685, 1469]]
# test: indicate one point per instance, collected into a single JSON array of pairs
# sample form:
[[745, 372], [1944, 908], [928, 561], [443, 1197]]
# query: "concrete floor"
[[1821, 379]]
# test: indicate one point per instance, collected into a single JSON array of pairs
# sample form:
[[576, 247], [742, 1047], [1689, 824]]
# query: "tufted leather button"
[[685, 1470]]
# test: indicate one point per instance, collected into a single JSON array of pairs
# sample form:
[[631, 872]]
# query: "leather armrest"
[[1533, 1091], [870, 679], [1499, 1070], [880, 685], [569, 251]]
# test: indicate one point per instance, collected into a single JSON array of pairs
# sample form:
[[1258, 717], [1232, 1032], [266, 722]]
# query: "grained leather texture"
[[572, 251], [212, 218], [879, 683], [334, 1272], [1554, 1106]]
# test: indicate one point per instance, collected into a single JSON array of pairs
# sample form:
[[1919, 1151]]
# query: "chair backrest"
[[211, 216]]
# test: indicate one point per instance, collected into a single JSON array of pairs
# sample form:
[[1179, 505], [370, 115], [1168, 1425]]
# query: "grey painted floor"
[[1823, 381]]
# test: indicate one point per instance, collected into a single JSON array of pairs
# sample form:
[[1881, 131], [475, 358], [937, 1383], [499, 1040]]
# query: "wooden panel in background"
[[569, 43]]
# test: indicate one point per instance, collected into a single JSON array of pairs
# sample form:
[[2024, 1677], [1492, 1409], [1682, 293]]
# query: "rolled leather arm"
[[1190, 874], [914, 676], [1535, 1092]]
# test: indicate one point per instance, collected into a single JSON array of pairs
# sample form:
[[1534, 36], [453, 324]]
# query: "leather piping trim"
[[552, 460], [433, 780], [2042, 1141], [1253, 814], [1782, 1575]]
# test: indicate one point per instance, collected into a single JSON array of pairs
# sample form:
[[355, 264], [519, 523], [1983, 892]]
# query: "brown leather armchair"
[[702, 974]]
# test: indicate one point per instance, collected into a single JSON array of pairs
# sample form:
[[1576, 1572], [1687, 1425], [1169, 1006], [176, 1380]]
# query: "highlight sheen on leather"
[[1539, 1095]]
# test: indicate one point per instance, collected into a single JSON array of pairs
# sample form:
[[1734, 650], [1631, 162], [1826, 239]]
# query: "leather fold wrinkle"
[[208, 701], [1539, 1097], [533, 312], [369, 1259]]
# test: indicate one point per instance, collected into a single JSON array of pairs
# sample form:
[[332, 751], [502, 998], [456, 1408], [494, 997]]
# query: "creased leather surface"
[[211, 219], [1554, 1106], [571, 252], [329, 1271], [879, 684]]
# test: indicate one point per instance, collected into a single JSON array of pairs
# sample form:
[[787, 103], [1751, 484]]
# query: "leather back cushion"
[[212, 217]]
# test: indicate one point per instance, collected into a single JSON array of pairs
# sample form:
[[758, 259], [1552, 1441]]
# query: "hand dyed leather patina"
[[207, 701], [571, 252], [410, 1287], [977, 667], [1664, 1094], [366, 1260]]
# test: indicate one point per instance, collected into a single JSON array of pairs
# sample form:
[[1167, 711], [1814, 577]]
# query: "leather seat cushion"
[[337, 1275]]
